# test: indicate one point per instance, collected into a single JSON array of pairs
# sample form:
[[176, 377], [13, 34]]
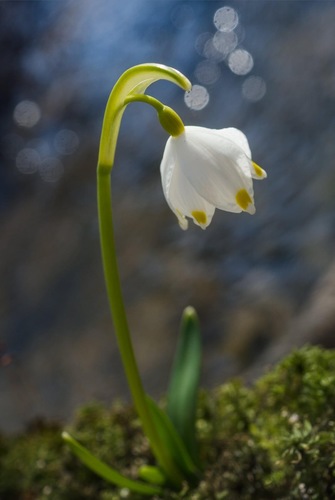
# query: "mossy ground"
[[275, 440]]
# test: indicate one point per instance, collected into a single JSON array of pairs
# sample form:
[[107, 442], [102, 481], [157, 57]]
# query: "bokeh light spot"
[[254, 88], [28, 161], [225, 19], [66, 142], [211, 52], [207, 72], [201, 42], [225, 42], [27, 114], [197, 98], [51, 169], [240, 62]]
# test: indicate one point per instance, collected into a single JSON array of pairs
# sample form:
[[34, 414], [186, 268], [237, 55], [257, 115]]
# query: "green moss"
[[275, 440]]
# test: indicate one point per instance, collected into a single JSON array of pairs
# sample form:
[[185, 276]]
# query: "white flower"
[[203, 169]]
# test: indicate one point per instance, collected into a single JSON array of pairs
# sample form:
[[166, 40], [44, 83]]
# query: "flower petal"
[[181, 196], [213, 165], [240, 140], [167, 168], [237, 137]]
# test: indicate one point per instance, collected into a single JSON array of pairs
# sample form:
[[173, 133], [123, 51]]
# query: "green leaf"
[[184, 382], [172, 441], [107, 472]]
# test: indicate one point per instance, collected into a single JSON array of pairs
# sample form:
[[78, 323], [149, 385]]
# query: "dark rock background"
[[254, 280]]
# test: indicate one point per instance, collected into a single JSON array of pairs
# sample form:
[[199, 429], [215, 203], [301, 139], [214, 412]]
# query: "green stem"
[[132, 82], [121, 324], [168, 118], [148, 99]]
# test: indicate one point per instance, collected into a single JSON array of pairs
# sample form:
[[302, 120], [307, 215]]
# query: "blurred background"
[[260, 284]]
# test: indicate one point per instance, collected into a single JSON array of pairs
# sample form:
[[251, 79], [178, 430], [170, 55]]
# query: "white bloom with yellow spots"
[[204, 169]]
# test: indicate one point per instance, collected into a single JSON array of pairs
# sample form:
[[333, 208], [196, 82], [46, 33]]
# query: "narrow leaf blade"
[[107, 472], [184, 382], [172, 441]]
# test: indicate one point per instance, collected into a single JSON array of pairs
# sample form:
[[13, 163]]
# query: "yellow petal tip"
[[243, 199], [200, 217], [259, 171]]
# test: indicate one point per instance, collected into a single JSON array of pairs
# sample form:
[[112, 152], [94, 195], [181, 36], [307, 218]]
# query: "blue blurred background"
[[266, 67]]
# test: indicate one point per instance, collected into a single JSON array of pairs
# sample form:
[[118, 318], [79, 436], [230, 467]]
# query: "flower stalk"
[[121, 326], [129, 88]]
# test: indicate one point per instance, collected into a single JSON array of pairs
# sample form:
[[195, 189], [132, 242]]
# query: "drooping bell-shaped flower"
[[204, 169]]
